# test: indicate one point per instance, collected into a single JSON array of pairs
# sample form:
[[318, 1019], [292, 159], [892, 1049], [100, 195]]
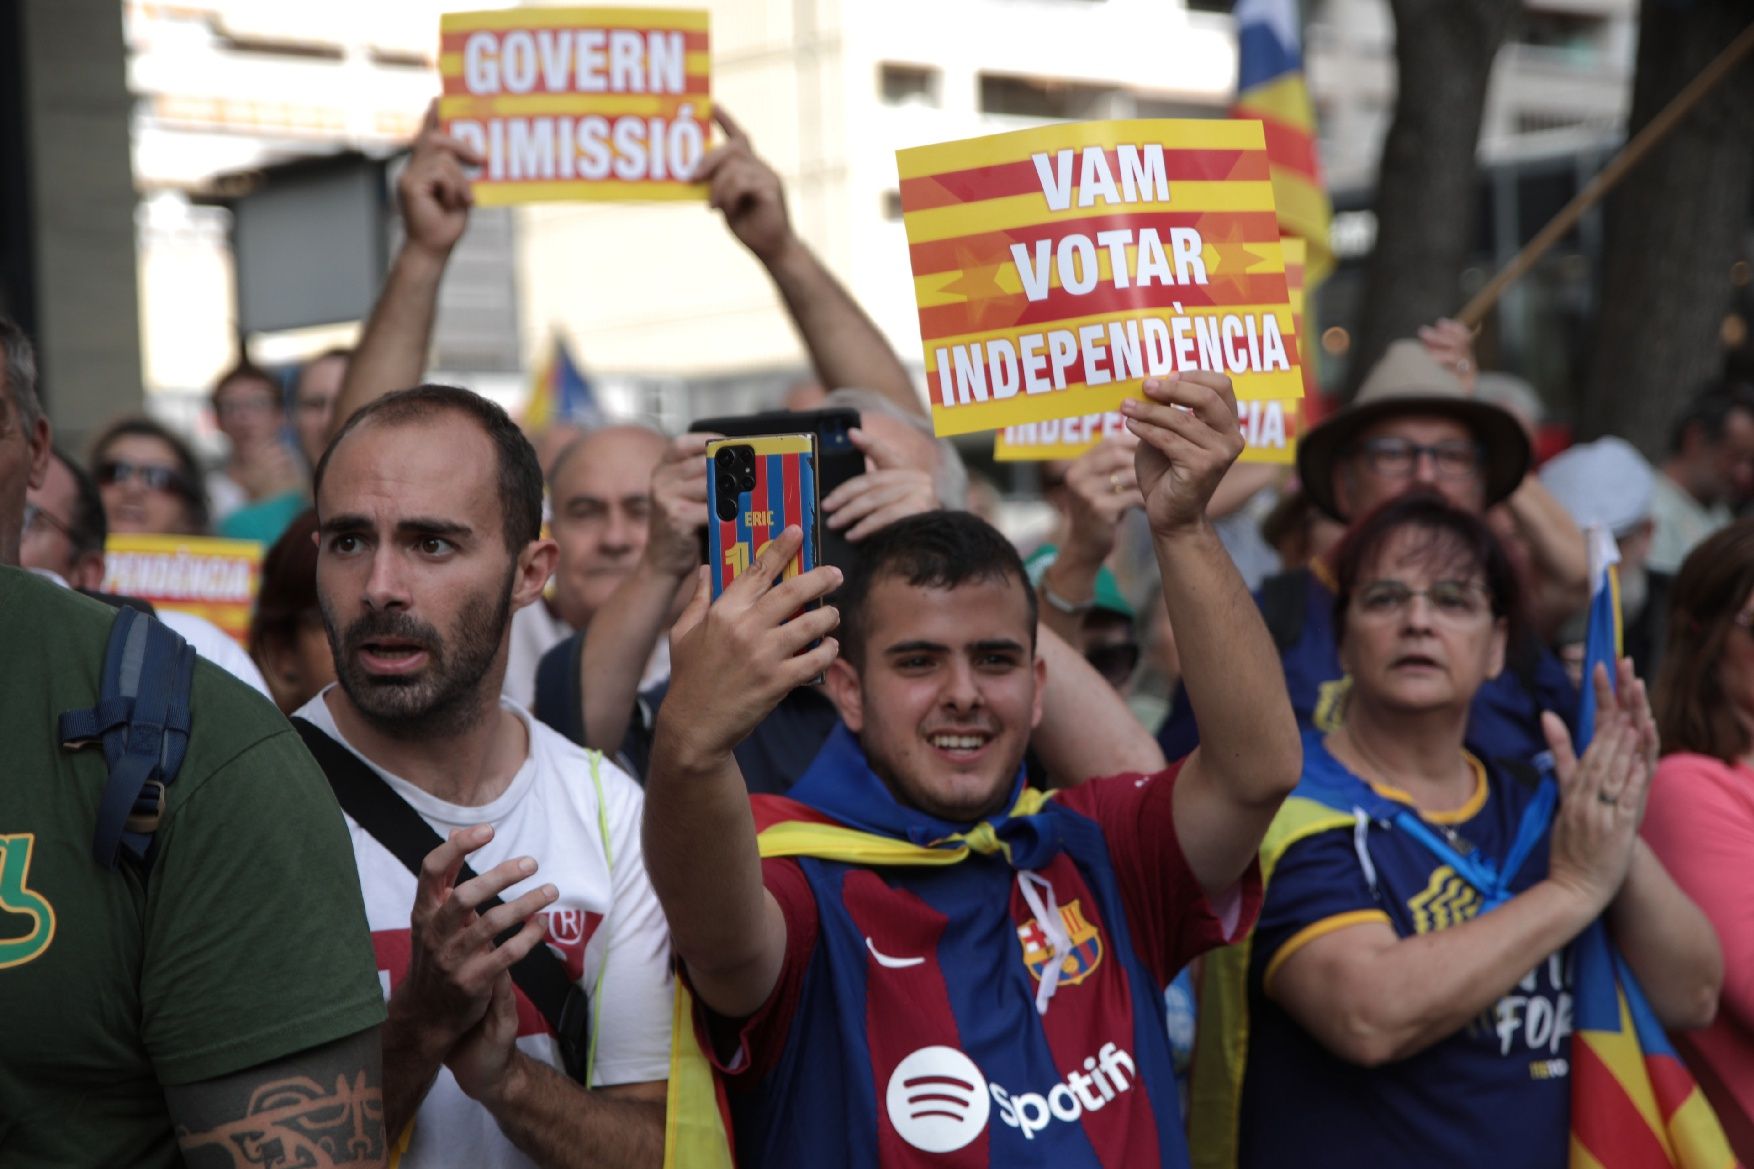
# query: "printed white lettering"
[[1110, 1072]]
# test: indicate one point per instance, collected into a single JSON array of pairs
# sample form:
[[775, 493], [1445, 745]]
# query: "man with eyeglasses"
[[1414, 424], [314, 393], [261, 467]]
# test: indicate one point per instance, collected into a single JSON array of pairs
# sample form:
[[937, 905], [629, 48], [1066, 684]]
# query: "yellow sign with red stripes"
[[579, 103], [1055, 269], [1269, 433], [211, 578]]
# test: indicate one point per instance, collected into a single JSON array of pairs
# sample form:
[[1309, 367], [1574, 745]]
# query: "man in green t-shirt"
[[222, 1008]]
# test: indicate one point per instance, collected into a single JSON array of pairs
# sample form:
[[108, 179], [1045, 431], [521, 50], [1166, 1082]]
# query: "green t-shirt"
[[246, 943]]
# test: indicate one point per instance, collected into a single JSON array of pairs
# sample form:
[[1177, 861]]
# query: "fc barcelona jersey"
[[904, 1028]]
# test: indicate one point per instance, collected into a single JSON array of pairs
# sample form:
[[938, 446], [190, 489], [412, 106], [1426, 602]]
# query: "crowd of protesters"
[[877, 864]]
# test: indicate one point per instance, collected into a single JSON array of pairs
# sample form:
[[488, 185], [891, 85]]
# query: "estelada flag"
[[1634, 1104], [1270, 86], [559, 392]]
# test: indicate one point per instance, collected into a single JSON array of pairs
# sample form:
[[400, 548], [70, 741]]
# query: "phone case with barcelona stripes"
[[757, 487]]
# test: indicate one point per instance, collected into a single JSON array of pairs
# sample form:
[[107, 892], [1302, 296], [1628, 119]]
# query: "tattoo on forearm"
[[314, 1110], [297, 1123]]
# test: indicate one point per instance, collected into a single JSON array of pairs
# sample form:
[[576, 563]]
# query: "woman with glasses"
[[1701, 815], [149, 480], [1408, 986]]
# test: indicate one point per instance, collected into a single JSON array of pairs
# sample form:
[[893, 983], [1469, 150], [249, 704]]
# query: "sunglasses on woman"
[[1115, 662], [166, 479]]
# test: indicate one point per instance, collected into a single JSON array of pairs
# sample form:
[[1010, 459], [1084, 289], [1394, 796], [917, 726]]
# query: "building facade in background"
[[662, 306]]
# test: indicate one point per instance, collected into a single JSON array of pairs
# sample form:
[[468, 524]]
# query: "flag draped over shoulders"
[[837, 826]]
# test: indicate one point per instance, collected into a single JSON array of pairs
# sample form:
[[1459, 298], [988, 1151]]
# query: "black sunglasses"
[[112, 471], [1116, 662]]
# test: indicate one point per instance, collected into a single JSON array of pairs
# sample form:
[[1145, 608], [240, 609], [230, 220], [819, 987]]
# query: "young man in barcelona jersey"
[[913, 958]]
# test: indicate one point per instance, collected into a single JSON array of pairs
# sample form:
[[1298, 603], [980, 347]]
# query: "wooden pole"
[[1630, 156]]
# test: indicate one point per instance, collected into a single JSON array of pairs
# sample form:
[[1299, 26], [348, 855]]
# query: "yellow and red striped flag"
[[1270, 86], [1634, 1104]]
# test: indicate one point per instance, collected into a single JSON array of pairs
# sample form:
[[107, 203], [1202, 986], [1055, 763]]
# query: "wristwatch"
[[1070, 608]]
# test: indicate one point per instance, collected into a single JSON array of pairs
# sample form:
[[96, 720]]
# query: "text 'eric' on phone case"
[[837, 459], [756, 488]]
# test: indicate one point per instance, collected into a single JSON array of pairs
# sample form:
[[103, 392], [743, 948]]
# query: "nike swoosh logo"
[[892, 963]]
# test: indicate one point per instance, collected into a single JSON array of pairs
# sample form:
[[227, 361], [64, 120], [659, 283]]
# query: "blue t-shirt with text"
[[1495, 1093]]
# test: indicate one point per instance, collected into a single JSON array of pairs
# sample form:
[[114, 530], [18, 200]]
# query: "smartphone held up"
[[757, 487]]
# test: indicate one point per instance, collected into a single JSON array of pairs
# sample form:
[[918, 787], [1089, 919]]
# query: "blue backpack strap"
[[142, 719]]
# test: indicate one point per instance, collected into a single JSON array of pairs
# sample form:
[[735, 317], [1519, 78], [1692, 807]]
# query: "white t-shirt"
[[217, 646], [1681, 522], [210, 641], [224, 495], [606, 912]]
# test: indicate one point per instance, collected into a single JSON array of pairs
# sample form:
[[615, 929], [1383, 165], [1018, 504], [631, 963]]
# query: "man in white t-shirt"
[[429, 506]]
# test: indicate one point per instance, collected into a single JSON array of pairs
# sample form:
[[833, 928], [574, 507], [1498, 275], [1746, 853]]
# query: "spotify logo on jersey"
[[938, 1099]]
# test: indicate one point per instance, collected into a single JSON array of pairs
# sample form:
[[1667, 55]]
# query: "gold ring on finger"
[[1115, 483]]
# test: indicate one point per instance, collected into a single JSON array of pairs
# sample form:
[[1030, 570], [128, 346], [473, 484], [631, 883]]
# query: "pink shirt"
[[1700, 823]]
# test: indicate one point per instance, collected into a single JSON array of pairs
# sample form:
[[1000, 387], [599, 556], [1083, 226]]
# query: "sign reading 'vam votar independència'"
[[1055, 269]]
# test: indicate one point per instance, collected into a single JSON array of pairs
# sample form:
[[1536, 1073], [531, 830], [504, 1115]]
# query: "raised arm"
[[1669, 943], [1372, 997], [626, 628], [1558, 554], [845, 346], [453, 964], [1250, 755], [1101, 487], [433, 192], [1701, 831], [731, 663], [1668, 940], [328, 1103], [1242, 483]]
